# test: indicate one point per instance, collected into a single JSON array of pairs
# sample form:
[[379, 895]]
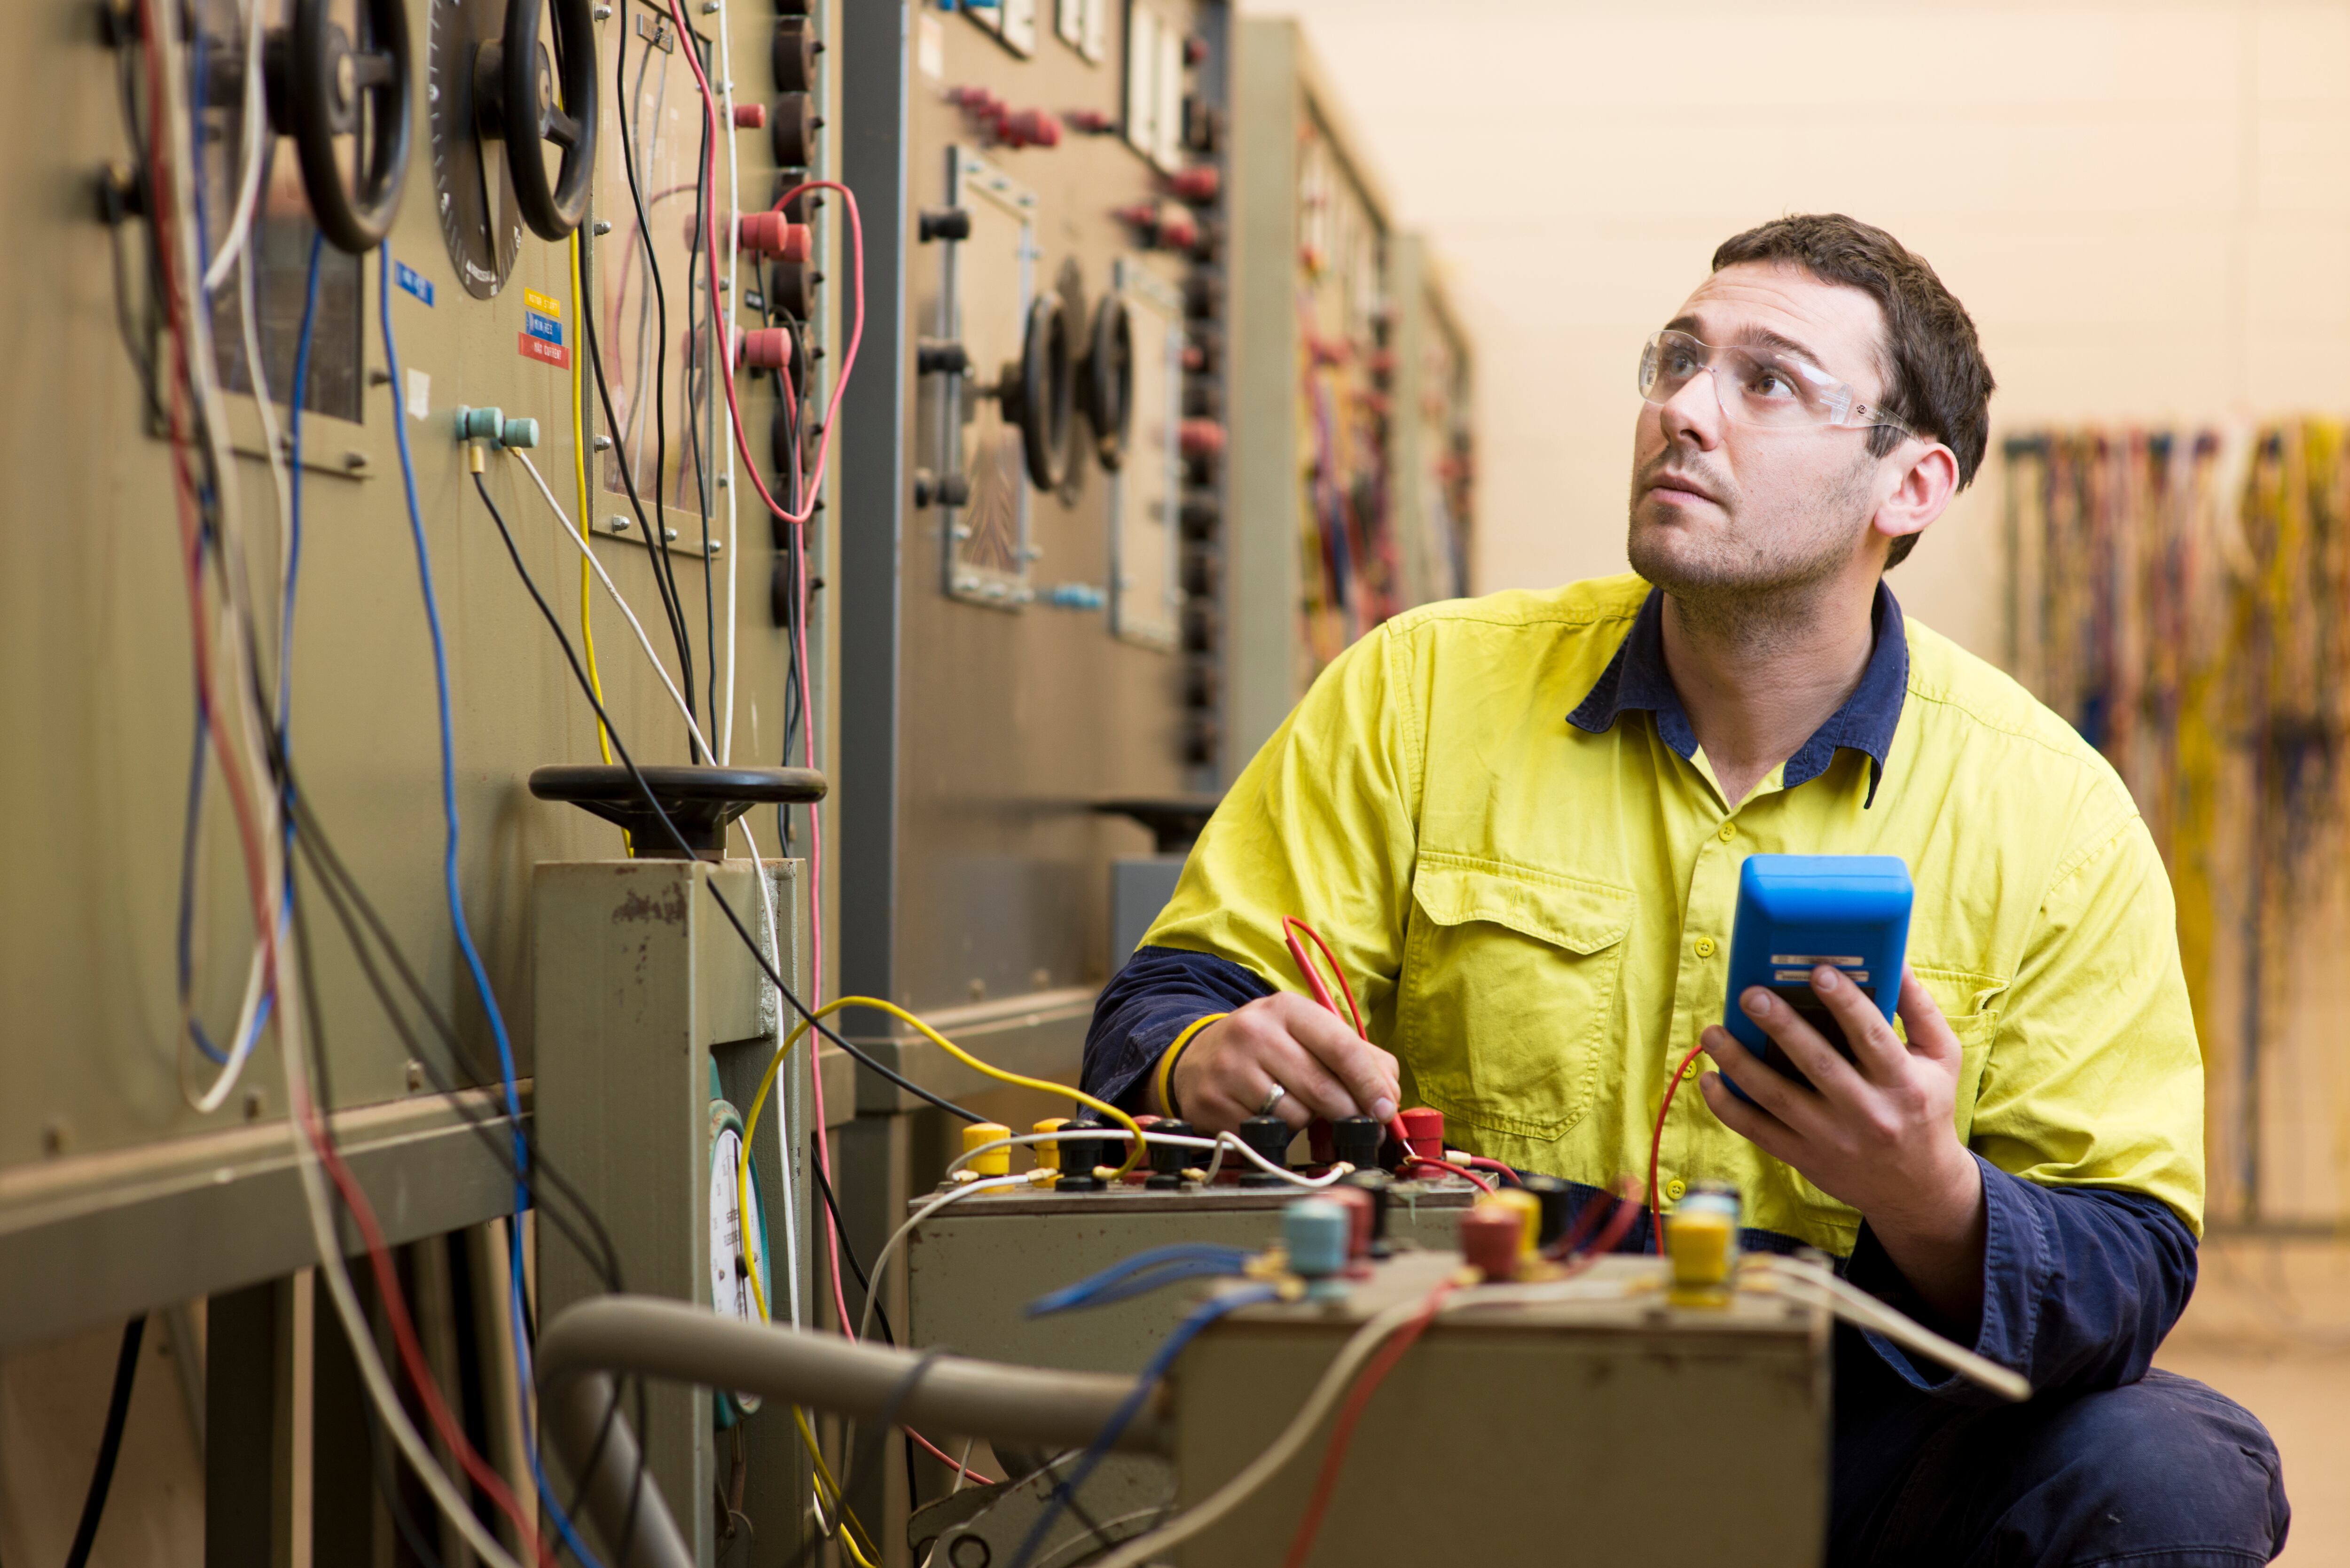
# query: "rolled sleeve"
[[2079, 1285], [1160, 992]]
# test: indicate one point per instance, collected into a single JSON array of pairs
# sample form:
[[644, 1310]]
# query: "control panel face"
[[990, 279], [1146, 493]]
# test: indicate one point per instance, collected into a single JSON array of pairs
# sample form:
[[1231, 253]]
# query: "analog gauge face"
[[730, 1291], [473, 190]]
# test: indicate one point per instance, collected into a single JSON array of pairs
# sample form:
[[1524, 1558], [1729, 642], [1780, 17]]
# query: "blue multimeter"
[[1796, 912]]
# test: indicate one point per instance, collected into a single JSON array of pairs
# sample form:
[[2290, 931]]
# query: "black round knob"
[[1080, 1156], [515, 98], [1168, 1159], [1269, 1137], [791, 130], [325, 87], [1557, 1201], [1357, 1140], [1381, 1186], [794, 54], [696, 802]]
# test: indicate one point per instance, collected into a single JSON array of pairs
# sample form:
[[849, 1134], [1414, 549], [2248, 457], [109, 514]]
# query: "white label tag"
[[419, 395], [930, 46]]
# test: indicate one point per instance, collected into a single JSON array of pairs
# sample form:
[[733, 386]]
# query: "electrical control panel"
[[259, 298], [1346, 351], [1012, 593]]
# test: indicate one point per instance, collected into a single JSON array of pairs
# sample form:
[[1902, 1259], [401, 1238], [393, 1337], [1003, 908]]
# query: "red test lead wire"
[[1655, 1145]]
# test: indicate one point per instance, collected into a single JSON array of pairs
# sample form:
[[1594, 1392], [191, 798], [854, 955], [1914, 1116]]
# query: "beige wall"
[[2146, 206]]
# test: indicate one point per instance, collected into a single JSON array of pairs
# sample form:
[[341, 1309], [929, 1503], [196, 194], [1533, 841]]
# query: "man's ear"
[[1921, 494]]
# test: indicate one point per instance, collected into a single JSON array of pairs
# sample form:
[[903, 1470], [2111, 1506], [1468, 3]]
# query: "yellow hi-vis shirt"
[[1537, 919]]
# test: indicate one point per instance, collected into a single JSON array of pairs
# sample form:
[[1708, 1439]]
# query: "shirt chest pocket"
[[1512, 977]]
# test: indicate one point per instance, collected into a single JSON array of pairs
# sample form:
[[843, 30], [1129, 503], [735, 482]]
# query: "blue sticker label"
[[414, 282], [545, 328]]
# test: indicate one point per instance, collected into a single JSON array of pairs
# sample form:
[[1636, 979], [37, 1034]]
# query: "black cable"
[[684, 850], [702, 196], [868, 1450], [110, 1445], [865, 1293], [602, 1257], [657, 541]]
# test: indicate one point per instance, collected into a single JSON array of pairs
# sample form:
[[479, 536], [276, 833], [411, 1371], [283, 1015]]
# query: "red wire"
[[1343, 1433], [1470, 1176], [1479, 1162], [1656, 1143], [726, 356], [404, 1334], [1290, 926]]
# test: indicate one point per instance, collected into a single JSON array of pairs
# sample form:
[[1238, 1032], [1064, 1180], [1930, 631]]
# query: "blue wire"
[[1192, 1257], [1206, 1312], [457, 915]]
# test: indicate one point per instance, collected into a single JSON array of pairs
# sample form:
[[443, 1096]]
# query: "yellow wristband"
[[1164, 1079]]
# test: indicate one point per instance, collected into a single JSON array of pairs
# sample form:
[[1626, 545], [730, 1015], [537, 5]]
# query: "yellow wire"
[[767, 1082], [827, 1487], [579, 470]]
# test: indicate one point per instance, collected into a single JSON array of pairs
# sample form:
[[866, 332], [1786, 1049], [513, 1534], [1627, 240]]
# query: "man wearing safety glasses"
[[1518, 822]]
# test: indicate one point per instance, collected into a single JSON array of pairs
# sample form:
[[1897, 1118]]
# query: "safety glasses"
[[1757, 386]]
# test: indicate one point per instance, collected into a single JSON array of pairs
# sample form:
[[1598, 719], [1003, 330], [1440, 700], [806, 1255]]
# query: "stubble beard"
[[1760, 574]]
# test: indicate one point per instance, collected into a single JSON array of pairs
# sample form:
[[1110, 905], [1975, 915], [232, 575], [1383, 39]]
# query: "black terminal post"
[[1381, 1186], [1356, 1139], [1557, 1201], [943, 224], [1167, 1159], [1079, 1157], [1269, 1137]]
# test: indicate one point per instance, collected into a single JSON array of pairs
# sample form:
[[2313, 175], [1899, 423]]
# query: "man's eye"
[[1767, 382], [1679, 363]]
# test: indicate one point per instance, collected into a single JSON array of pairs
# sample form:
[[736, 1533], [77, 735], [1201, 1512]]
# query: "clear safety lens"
[[1756, 385]]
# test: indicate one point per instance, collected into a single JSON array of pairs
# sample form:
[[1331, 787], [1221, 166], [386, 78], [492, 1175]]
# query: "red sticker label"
[[554, 354]]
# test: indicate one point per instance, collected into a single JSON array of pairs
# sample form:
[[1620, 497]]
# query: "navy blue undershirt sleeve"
[[2079, 1285], [1159, 995]]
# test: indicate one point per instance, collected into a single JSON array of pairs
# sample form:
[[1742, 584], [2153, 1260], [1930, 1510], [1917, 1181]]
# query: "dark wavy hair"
[[1936, 378]]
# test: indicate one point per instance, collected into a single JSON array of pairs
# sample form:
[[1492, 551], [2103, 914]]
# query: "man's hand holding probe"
[[1876, 1132], [1282, 1055]]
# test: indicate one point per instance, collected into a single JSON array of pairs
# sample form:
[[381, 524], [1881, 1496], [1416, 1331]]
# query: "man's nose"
[[1694, 413]]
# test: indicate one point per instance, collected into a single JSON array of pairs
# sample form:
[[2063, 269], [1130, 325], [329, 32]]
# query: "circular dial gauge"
[[735, 1245], [473, 190]]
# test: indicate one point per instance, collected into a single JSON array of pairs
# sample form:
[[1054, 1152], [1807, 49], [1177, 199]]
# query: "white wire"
[[1233, 1493], [873, 1290], [1821, 1287], [722, 344], [1221, 1142], [244, 725], [767, 895], [257, 112], [606, 579]]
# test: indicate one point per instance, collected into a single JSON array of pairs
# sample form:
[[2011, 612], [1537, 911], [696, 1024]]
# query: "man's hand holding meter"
[[1877, 1131]]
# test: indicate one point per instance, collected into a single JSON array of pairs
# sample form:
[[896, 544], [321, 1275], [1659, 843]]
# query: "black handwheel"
[[323, 90], [1108, 381], [1039, 393], [513, 94]]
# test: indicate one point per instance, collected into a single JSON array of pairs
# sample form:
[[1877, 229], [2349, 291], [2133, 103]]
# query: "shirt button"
[[1728, 831], [1675, 1188], [1705, 947], [1688, 1068]]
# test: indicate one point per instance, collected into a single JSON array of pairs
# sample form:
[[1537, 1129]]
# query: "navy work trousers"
[[2159, 1473]]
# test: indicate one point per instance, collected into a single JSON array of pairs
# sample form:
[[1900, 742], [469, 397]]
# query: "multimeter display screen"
[[1814, 1011]]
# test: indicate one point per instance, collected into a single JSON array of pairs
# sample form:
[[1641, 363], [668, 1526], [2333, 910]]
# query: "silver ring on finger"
[[1272, 1097]]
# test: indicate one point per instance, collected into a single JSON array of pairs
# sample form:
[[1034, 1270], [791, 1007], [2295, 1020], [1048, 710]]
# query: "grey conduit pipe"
[[651, 1337]]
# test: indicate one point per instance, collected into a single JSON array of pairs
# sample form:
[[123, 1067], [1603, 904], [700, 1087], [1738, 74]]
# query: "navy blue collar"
[[1636, 677]]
